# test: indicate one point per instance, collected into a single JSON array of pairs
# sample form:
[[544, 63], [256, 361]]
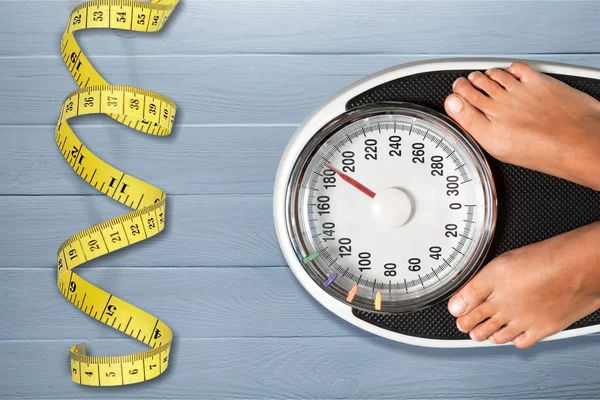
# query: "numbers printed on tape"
[[144, 111]]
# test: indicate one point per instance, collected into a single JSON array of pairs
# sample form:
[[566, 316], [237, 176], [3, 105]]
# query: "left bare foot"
[[533, 292]]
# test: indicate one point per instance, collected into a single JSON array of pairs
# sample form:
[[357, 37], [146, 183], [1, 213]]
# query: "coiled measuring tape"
[[144, 111]]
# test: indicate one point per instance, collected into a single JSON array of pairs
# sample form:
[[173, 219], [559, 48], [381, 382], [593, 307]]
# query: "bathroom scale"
[[384, 207]]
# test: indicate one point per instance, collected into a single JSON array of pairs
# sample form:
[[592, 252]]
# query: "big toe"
[[471, 296], [467, 116]]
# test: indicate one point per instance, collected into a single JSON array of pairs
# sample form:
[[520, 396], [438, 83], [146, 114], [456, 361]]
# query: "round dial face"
[[391, 208]]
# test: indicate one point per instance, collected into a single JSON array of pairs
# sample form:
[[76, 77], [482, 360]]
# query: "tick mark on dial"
[[455, 249]]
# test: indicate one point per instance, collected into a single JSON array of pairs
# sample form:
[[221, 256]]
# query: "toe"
[[521, 71], [484, 83], [524, 340], [467, 322], [506, 334], [467, 91], [502, 77], [536, 334], [472, 295], [466, 115], [487, 328]]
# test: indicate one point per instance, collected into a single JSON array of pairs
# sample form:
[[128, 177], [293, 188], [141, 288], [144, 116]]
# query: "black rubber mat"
[[532, 206]]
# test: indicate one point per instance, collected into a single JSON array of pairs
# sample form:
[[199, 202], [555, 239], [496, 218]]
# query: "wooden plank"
[[318, 368], [201, 231], [209, 90], [194, 160], [317, 26], [195, 302]]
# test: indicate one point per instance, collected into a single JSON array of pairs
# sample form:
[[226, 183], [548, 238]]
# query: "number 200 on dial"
[[391, 207]]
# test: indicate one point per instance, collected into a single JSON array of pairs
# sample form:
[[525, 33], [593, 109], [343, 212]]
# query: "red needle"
[[352, 181]]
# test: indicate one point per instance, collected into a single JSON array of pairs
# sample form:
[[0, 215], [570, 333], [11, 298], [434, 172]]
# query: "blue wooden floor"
[[244, 74]]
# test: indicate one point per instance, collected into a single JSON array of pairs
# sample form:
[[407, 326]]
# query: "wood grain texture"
[[200, 231], [193, 160], [209, 302], [208, 90], [267, 26], [318, 368]]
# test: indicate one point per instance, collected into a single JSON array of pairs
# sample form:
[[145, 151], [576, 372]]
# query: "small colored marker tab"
[[311, 257], [378, 301], [330, 280], [352, 294]]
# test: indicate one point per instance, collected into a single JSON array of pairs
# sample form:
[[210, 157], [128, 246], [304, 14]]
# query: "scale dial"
[[391, 207]]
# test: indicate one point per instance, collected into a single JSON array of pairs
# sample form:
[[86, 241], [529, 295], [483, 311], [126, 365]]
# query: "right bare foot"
[[530, 293], [524, 117]]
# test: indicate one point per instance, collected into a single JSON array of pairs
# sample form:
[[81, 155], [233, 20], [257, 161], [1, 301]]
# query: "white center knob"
[[391, 207]]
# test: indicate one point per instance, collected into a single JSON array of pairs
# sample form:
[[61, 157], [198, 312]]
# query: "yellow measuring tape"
[[144, 111]]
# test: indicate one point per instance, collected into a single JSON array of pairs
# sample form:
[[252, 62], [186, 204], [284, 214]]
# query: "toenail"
[[472, 75], [459, 327], [457, 305], [455, 104], [472, 336], [492, 340], [455, 83]]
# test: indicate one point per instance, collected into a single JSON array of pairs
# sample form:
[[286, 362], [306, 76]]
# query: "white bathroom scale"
[[384, 207]]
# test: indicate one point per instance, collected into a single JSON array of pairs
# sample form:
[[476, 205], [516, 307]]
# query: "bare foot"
[[532, 292], [526, 118]]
